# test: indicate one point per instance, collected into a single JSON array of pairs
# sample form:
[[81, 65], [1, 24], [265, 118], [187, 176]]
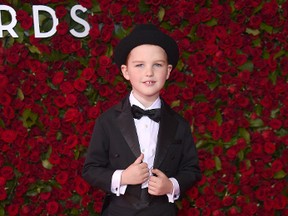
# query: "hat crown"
[[146, 34]]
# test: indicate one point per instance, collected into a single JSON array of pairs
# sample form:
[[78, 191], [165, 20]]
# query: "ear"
[[124, 70], [169, 69]]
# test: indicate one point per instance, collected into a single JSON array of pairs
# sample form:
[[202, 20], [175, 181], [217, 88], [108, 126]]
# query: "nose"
[[149, 72]]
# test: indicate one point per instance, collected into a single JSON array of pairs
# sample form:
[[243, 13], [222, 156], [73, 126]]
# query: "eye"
[[139, 65], [158, 65]]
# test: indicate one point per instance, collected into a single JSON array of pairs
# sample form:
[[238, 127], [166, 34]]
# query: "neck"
[[145, 101]]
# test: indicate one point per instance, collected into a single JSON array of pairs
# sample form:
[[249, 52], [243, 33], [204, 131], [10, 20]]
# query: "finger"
[[139, 159], [157, 172]]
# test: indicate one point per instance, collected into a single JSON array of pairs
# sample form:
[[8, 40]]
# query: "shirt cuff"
[[176, 191], [116, 188]]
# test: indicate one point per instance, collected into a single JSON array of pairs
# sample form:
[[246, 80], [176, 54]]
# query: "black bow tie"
[[153, 114]]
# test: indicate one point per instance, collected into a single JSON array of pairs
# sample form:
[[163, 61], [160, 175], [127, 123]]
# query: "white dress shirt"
[[147, 132]]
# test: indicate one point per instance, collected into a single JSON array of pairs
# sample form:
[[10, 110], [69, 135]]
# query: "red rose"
[[3, 194], [72, 115], [86, 3], [52, 207], [193, 193], [60, 101], [232, 188], [106, 33], [62, 28], [97, 206], [106, 91], [13, 209], [269, 147], [7, 172], [94, 32], [8, 136], [60, 11], [85, 200], [5, 99], [62, 177], [58, 78], [255, 21], [71, 100], [227, 201], [8, 112], [277, 165], [26, 23], [80, 84], [67, 87], [87, 73], [116, 8], [81, 186], [71, 141], [3, 82], [94, 112], [275, 124], [105, 61], [280, 202]]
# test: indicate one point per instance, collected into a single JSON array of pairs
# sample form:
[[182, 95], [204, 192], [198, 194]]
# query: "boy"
[[141, 151]]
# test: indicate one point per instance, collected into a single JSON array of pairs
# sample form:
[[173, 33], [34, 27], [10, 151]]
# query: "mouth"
[[149, 82]]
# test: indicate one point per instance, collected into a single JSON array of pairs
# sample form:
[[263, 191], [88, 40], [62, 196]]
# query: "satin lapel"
[[127, 127], [167, 130]]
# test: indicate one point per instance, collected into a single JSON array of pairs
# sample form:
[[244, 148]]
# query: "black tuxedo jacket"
[[114, 145]]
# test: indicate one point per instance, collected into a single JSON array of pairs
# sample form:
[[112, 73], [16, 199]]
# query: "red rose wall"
[[230, 84]]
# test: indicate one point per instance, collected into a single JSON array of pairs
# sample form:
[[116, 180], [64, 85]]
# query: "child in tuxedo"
[[141, 151]]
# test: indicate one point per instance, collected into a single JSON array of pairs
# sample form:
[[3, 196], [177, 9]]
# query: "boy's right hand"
[[136, 173]]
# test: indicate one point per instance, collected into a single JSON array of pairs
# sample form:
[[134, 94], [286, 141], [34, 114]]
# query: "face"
[[147, 69]]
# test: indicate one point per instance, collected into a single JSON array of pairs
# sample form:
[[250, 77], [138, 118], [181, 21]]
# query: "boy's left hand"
[[159, 184]]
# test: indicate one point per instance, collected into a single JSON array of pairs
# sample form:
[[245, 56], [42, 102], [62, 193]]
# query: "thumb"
[[157, 172], [139, 159]]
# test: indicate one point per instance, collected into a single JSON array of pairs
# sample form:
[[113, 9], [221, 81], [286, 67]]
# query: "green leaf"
[[266, 27], [2, 211], [258, 109], [200, 98], [46, 164], [279, 54], [254, 32], [241, 155], [280, 175], [212, 22], [2, 124], [175, 103], [247, 66], [96, 7], [161, 14], [256, 123], [34, 49], [273, 77], [29, 118], [245, 134], [218, 163], [218, 117], [213, 85], [20, 94]]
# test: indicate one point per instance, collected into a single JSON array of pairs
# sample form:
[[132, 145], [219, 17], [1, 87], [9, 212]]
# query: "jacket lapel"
[[167, 129], [127, 127]]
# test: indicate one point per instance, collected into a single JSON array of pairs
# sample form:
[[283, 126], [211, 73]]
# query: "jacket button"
[[116, 155]]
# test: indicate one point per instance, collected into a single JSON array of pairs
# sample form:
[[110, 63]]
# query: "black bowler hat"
[[146, 34]]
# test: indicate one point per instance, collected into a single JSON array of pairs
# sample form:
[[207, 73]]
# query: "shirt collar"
[[133, 101]]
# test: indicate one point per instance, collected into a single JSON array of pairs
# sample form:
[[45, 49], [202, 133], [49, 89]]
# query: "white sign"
[[9, 27]]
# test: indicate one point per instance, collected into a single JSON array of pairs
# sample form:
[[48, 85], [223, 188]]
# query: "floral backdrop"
[[230, 84]]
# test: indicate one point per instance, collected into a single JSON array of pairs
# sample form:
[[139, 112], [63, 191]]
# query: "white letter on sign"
[[36, 9], [11, 25], [79, 20]]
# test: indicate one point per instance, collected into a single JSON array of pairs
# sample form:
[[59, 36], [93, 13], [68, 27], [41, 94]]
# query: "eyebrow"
[[139, 61]]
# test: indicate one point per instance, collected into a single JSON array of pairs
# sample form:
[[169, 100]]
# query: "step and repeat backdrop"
[[57, 75]]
